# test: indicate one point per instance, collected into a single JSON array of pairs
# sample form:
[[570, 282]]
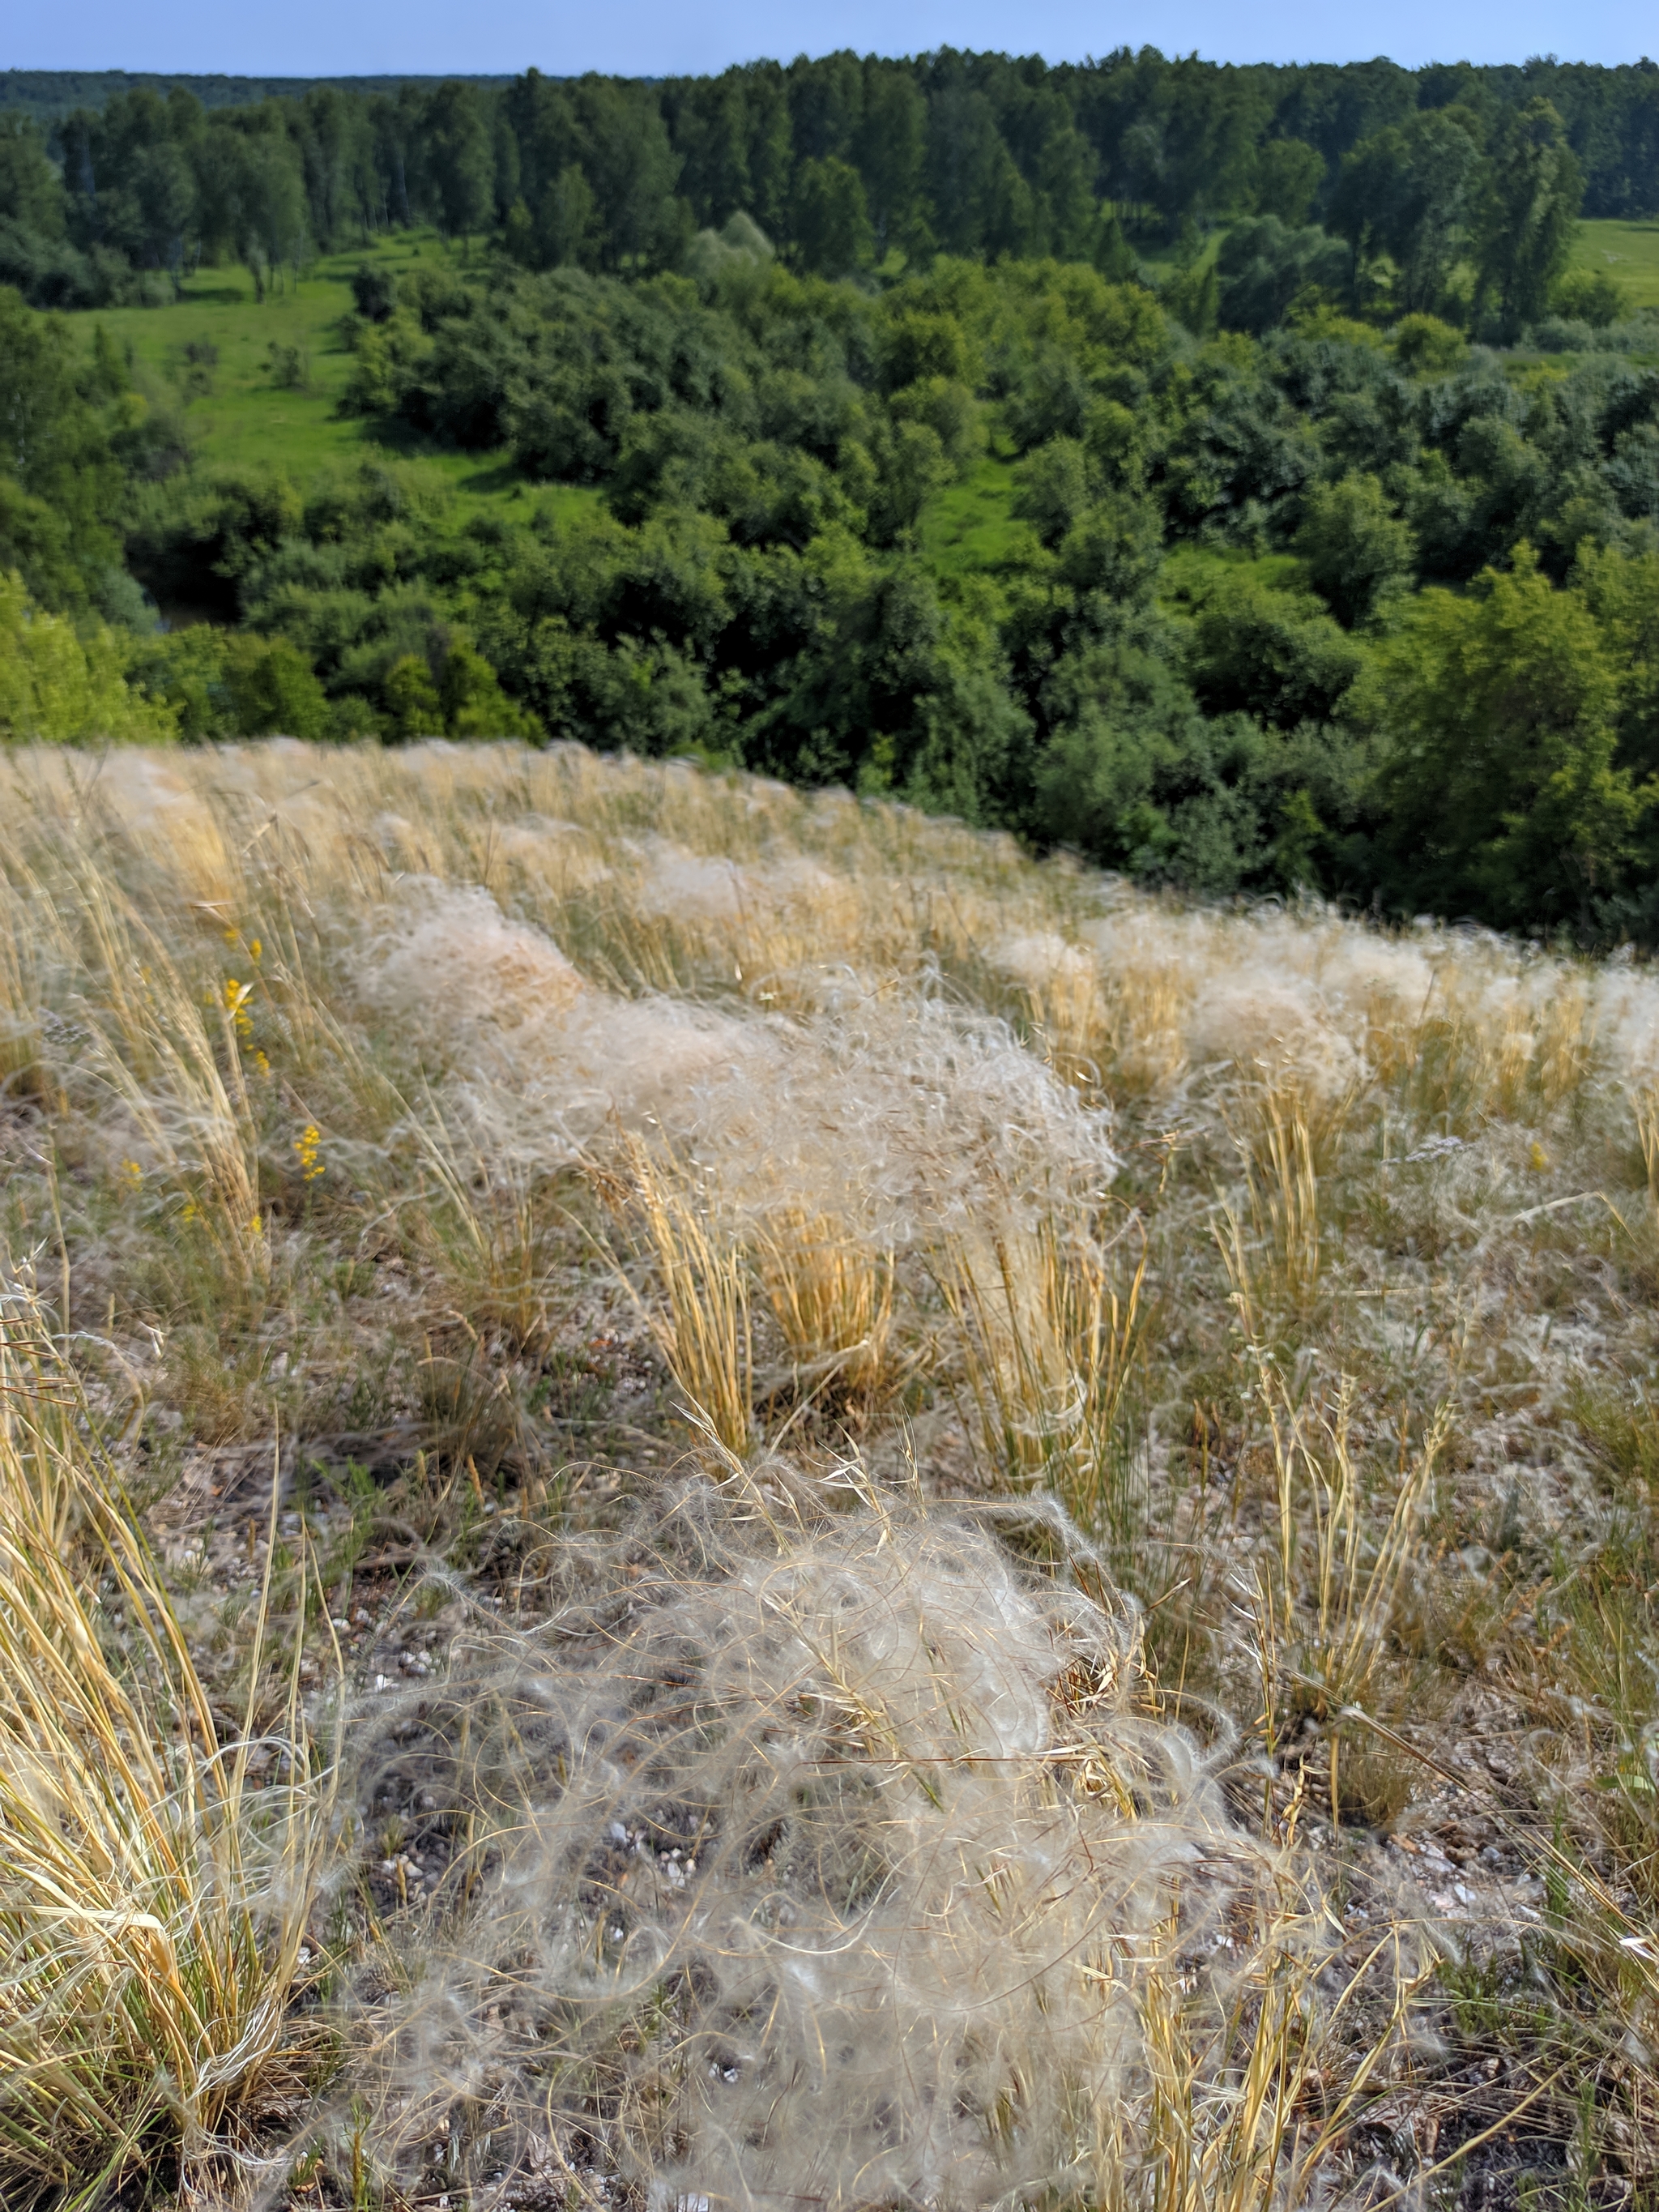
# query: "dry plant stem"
[[1282, 1138], [1341, 1568], [1647, 1132], [1356, 1572], [480, 1220], [176, 1067]]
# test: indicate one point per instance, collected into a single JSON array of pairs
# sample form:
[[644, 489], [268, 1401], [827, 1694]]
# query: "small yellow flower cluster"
[[236, 998], [309, 1145], [133, 1173]]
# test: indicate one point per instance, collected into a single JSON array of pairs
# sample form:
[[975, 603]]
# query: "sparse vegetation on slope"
[[866, 1433]]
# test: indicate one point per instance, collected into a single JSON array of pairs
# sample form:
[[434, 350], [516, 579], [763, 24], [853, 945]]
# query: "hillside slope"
[[795, 1350]]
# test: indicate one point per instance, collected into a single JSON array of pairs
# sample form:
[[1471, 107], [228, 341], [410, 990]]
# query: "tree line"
[[848, 164]]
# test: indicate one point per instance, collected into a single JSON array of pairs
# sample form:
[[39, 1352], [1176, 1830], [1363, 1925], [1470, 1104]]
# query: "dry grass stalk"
[[702, 1328], [1342, 1564], [1234, 2128], [1049, 1324], [1285, 1198], [153, 1906], [483, 1221], [1647, 1135], [1064, 1005], [1142, 1019], [1487, 1042], [26, 961], [1284, 1140], [175, 1065], [831, 1293]]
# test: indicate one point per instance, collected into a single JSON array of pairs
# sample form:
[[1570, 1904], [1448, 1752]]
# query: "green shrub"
[[61, 685], [1589, 295], [1427, 347], [1355, 545], [219, 683]]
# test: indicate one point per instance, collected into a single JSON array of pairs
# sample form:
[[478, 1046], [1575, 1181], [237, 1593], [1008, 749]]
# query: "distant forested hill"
[[47, 95]]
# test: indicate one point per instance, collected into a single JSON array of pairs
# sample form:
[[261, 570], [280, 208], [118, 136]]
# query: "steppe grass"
[[153, 1901], [829, 1383]]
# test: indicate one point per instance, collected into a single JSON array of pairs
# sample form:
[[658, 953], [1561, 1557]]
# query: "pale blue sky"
[[657, 38]]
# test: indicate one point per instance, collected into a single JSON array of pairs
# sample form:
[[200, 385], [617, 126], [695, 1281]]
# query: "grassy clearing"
[[1190, 573], [880, 1435], [247, 417], [971, 525], [1628, 251], [241, 413]]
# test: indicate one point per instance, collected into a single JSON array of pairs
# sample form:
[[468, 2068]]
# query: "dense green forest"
[[1229, 473], [845, 163]]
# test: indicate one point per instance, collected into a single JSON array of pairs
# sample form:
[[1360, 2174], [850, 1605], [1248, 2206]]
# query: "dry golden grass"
[[153, 1906], [701, 1326], [479, 1118], [831, 1293], [1049, 1326]]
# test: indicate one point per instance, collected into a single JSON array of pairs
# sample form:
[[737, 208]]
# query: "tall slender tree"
[[1533, 189]]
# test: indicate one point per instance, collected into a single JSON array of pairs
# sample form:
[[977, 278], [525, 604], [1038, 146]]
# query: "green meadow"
[[1628, 252], [970, 525], [249, 417]]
